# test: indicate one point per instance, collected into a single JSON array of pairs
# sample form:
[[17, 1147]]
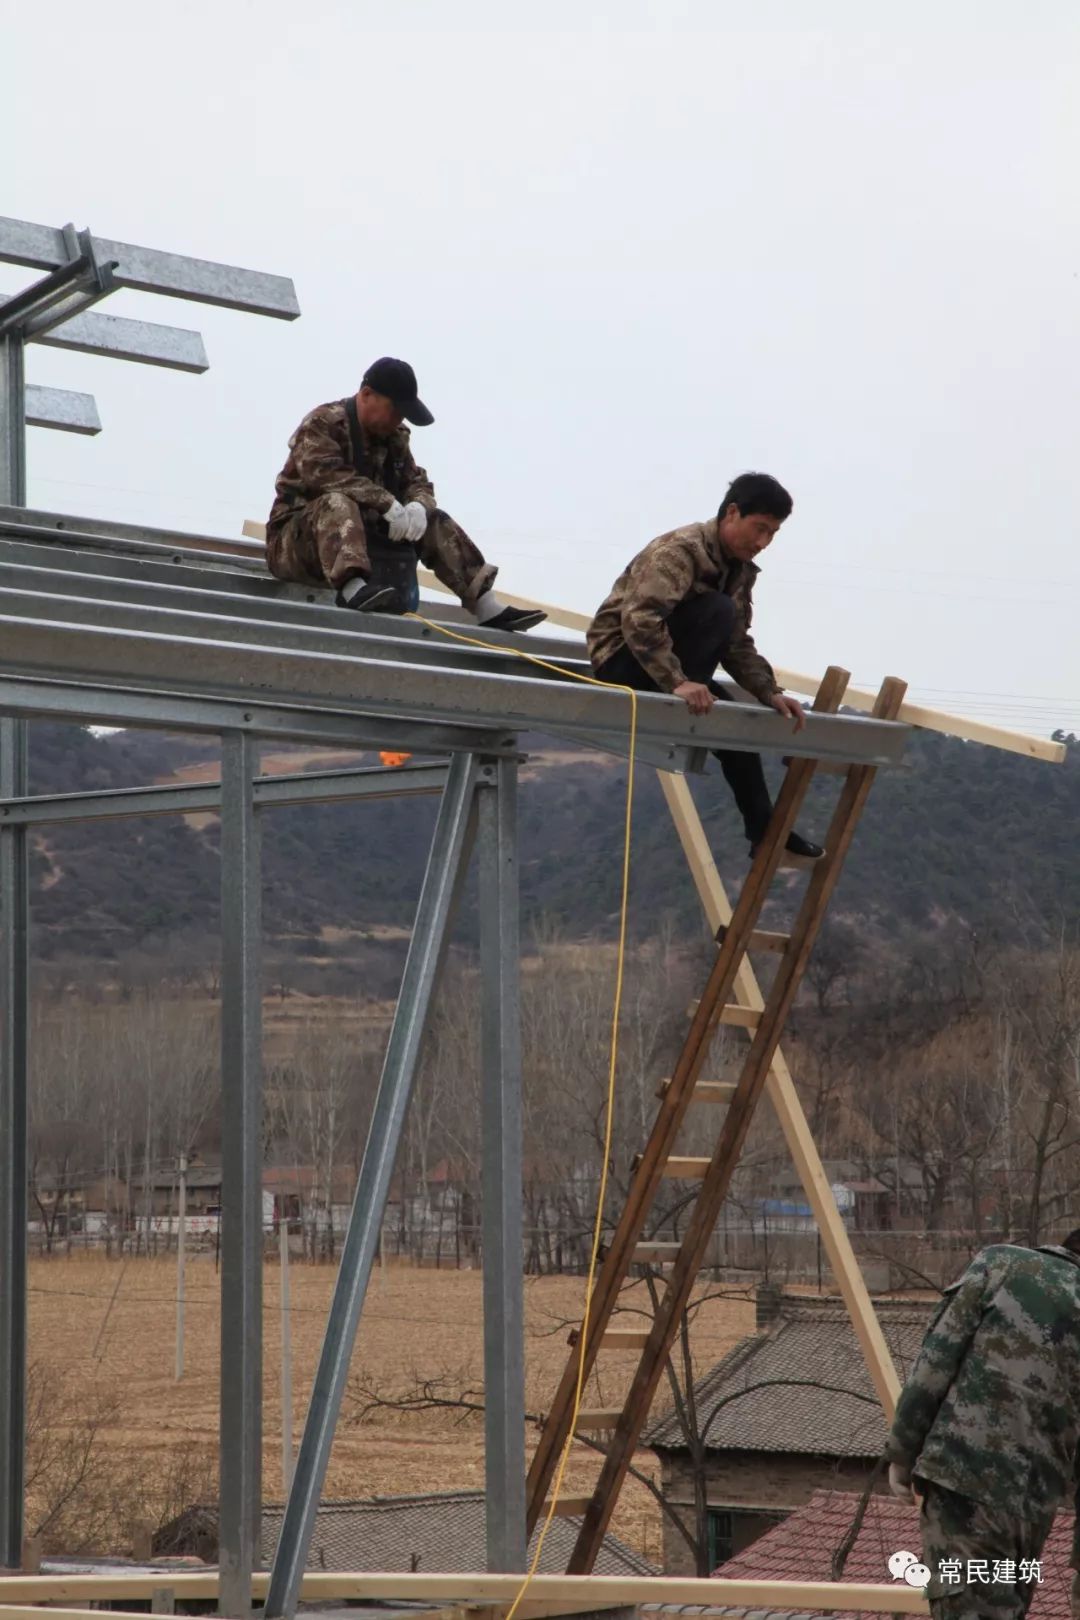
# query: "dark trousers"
[[700, 630]]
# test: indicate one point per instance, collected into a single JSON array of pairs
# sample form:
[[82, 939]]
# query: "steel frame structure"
[[118, 624]]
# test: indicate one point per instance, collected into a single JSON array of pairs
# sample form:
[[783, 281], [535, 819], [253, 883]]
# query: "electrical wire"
[[609, 1119]]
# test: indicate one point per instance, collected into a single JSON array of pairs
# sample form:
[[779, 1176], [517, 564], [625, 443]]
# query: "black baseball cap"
[[397, 380]]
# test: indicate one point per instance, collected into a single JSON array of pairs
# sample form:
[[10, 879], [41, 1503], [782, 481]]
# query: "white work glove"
[[900, 1482], [417, 521], [397, 521]]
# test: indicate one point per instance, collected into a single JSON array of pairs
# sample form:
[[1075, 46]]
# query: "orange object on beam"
[[393, 759]]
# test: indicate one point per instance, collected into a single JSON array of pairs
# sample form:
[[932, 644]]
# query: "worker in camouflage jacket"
[[682, 607], [352, 508], [988, 1425]]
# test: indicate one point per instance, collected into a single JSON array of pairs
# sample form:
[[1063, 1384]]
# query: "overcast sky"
[[630, 253]]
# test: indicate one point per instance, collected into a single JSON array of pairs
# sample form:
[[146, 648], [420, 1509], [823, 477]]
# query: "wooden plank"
[[733, 1134], [593, 1590], [789, 1111], [569, 1507], [396, 1586], [674, 1104]]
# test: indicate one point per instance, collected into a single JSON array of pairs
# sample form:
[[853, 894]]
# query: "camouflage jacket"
[[685, 562], [321, 461], [992, 1406]]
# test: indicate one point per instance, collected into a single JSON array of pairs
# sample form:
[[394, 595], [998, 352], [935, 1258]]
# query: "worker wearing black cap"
[[353, 509]]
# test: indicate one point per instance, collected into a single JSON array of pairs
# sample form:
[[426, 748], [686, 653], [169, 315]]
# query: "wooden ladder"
[[714, 1174]]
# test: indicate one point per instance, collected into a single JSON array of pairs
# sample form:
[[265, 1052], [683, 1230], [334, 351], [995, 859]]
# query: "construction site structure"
[[122, 625]]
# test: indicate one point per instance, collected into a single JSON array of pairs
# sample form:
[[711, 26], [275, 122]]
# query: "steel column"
[[446, 865], [241, 1199], [14, 1022], [504, 1351]]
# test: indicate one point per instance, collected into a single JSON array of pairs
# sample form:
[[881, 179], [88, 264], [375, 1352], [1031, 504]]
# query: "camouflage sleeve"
[[416, 485], [323, 469], [750, 668], [943, 1349], [747, 665], [657, 583]]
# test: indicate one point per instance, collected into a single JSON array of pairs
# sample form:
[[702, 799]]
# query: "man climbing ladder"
[[352, 509]]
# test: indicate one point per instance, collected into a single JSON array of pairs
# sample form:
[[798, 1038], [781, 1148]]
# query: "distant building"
[[789, 1411]]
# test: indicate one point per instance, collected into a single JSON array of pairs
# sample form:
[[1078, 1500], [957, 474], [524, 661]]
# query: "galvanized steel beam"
[[61, 408], [240, 1434], [501, 1109], [43, 247], [14, 1027], [320, 681], [176, 348], [105, 706], [308, 787], [446, 865]]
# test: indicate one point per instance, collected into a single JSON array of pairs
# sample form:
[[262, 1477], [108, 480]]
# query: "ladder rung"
[[732, 1013], [685, 1169], [597, 1420], [569, 1506], [745, 1017], [762, 939], [714, 1091], [616, 1338], [647, 1253]]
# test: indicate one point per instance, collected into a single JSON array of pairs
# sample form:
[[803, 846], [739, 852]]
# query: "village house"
[[789, 1411]]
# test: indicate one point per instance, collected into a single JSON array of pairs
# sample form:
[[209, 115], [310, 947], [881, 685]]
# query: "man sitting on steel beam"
[[353, 509], [683, 606]]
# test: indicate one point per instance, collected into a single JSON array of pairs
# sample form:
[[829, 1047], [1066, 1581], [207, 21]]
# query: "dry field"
[[108, 1329]]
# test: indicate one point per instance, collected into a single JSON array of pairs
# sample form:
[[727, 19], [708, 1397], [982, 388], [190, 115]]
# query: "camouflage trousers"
[[326, 541], [971, 1541]]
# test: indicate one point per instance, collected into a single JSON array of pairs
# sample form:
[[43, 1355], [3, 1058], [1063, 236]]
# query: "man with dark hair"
[[683, 606], [988, 1425], [353, 510]]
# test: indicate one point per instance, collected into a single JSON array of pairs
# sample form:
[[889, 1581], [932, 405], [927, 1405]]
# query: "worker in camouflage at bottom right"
[[987, 1429]]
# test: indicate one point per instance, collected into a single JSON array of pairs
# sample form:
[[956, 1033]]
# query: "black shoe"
[[372, 599], [512, 618], [796, 845]]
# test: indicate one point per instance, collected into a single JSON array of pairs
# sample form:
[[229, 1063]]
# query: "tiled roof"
[[800, 1385], [802, 1547], [444, 1531]]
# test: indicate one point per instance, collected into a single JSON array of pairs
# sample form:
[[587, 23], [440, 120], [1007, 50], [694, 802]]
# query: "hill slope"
[[942, 838]]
